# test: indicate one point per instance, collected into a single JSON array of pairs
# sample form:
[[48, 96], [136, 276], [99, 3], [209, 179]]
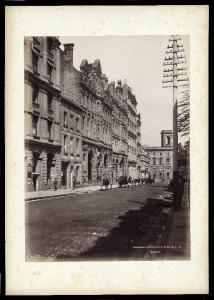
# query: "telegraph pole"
[[174, 74]]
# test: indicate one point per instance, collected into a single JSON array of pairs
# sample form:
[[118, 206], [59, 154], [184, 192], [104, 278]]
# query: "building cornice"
[[71, 102], [30, 140], [31, 77], [158, 148]]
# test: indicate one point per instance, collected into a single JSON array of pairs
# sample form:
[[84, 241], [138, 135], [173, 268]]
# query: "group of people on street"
[[123, 181]]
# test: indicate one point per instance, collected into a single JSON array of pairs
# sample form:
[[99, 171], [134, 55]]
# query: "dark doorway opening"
[[64, 174], [90, 156], [49, 166], [36, 171]]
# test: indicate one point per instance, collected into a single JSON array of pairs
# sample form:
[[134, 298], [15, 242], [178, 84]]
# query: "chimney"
[[112, 87], [68, 52]]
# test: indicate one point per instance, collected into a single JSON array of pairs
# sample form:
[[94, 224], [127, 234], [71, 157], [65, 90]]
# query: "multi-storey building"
[[139, 148], [71, 141], [132, 133], [71, 126], [42, 112], [161, 158], [145, 163], [78, 127], [119, 129], [89, 89]]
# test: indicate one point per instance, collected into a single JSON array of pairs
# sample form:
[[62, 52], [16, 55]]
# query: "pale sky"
[[139, 60]]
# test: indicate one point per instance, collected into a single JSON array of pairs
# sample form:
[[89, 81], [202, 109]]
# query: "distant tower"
[[166, 138]]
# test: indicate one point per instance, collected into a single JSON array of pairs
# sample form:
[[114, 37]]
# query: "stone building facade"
[[78, 127], [89, 89], [42, 112], [133, 134], [71, 142], [161, 158], [119, 129]]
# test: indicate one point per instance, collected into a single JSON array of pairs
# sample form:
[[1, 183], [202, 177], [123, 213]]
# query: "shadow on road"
[[139, 227], [136, 228]]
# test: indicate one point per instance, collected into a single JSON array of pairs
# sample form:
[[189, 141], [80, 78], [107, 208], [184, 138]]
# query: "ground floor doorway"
[[64, 174], [90, 158]]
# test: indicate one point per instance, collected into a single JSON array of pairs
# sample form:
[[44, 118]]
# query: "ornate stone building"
[[89, 90], [119, 129], [161, 158], [42, 112], [78, 127], [133, 119]]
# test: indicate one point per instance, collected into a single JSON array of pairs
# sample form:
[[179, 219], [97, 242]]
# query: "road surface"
[[108, 224]]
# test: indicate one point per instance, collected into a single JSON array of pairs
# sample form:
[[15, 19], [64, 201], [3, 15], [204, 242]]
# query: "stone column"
[[44, 57], [44, 111], [57, 65], [28, 51]]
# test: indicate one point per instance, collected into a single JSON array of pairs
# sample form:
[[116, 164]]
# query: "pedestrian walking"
[[55, 184], [74, 182]]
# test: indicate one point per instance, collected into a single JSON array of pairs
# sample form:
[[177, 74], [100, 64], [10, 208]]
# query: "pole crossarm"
[[168, 70], [174, 51], [174, 39]]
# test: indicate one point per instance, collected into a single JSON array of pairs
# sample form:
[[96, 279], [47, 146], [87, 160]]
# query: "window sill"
[[50, 111], [36, 72], [36, 105], [36, 137]]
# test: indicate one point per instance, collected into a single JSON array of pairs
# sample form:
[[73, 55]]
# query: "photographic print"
[[106, 132], [107, 148]]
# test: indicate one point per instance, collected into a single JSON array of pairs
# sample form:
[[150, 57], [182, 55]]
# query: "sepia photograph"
[[107, 138]]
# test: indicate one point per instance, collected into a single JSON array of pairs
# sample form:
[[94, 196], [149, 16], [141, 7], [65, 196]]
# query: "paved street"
[[110, 224]]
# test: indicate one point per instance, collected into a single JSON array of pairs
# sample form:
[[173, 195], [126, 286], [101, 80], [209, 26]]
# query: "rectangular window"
[[35, 94], [77, 124], [71, 121], [49, 71], [77, 146], [154, 160], [161, 161], [160, 175], [35, 125], [35, 59], [167, 161], [71, 144], [50, 102], [65, 145], [49, 129], [167, 175], [65, 123]]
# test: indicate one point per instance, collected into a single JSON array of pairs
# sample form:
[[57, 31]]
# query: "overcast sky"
[[139, 60]]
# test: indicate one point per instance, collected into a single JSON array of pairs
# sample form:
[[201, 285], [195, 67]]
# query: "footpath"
[[167, 234], [179, 232], [62, 192]]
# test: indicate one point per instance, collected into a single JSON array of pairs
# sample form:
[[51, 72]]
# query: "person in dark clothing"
[[55, 184], [74, 182], [179, 193]]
